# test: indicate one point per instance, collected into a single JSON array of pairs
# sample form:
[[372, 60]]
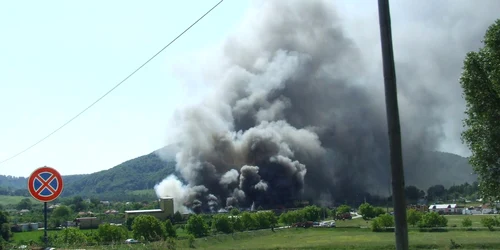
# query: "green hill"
[[442, 168], [136, 178], [11, 185], [137, 174]]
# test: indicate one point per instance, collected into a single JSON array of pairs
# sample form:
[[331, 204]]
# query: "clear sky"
[[57, 57]]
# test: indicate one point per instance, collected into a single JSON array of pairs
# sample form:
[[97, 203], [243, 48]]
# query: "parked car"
[[327, 224], [131, 241]]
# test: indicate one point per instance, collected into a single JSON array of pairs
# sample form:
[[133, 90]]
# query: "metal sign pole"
[[45, 239], [391, 102], [45, 184]]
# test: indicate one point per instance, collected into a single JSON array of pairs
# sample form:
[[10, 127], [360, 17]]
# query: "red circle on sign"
[[45, 184]]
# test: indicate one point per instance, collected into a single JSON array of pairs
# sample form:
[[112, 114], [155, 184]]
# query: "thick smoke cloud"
[[297, 109]]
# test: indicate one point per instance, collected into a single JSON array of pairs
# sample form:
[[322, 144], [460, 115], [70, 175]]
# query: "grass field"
[[6, 200], [28, 236], [331, 238], [453, 221], [325, 238], [25, 237], [346, 238]]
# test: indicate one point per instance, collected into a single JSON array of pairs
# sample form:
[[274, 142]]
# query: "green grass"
[[453, 221], [6, 200], [35, 235], [344, 238], [28, 236], [457, 220], [320, 238]]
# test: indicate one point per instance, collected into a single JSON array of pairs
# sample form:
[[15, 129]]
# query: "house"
[[24, 211], [166, 210], [445, 208], [87, 222], [487, 209], [53, 206], [111, 211]]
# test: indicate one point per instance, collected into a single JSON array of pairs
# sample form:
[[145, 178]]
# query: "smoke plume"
[[297, 105]]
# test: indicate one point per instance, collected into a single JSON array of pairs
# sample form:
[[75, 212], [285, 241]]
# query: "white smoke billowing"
[[298, 111]]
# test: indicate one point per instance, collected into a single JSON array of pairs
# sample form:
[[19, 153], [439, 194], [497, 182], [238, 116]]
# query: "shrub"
[[191, 241], [466, 222], [489, 222], [170, 229], [432, 219], [197, 226], [148, 227], [382, 222], [413, 216]]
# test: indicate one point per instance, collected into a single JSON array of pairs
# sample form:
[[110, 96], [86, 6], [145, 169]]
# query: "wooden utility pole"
[[391, 102]]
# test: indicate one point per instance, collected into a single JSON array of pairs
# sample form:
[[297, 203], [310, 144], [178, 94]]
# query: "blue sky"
[[57, 57]]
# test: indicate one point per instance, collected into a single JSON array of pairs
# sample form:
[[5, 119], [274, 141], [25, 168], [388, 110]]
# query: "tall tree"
[[480, 82], [24, 204]]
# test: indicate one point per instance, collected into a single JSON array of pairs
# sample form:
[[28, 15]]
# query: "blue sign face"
[[45, 184]]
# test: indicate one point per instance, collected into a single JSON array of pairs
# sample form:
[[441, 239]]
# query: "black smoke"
[[298, 112]]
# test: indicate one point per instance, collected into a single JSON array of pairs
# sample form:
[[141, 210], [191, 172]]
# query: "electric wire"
[[116, 86]]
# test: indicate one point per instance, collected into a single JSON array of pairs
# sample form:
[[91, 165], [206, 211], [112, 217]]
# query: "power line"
[[116, 86]]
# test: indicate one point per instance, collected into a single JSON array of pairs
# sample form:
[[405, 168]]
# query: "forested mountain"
[[137, 174], [441, 168], [143, 172], [9, 184]]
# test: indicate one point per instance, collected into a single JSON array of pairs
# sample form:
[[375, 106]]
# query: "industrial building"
[[87, 222], [166, 210], [445, 208]]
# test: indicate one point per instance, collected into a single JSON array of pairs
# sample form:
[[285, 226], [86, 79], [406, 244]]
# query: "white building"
[[444, 208]]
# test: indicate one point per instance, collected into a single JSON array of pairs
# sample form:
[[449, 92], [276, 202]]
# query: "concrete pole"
[[391, 101]]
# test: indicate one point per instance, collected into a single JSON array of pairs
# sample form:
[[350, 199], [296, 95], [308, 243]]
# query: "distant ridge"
[[144, 172]]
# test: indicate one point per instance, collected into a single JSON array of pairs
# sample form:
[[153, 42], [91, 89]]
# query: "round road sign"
[[45, 184]]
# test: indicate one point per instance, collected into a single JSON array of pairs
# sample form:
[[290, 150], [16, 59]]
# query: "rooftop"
[[442, 206], [144, 211]]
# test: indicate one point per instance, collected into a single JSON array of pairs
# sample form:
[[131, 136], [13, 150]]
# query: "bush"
[[490, 222], [343, 209], [197, 226], [237, 224], [264, 219], [148, 227], [379, 211], [466, 222], [191, 241], [110, 233], [454, 245], [367, 211], [432, 219], [248, 221], [382, 222], [311, 213], [171, 243], [5, 232], [170, 229], [222, 223], [234, 211], [70, 236], [413, 216]]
